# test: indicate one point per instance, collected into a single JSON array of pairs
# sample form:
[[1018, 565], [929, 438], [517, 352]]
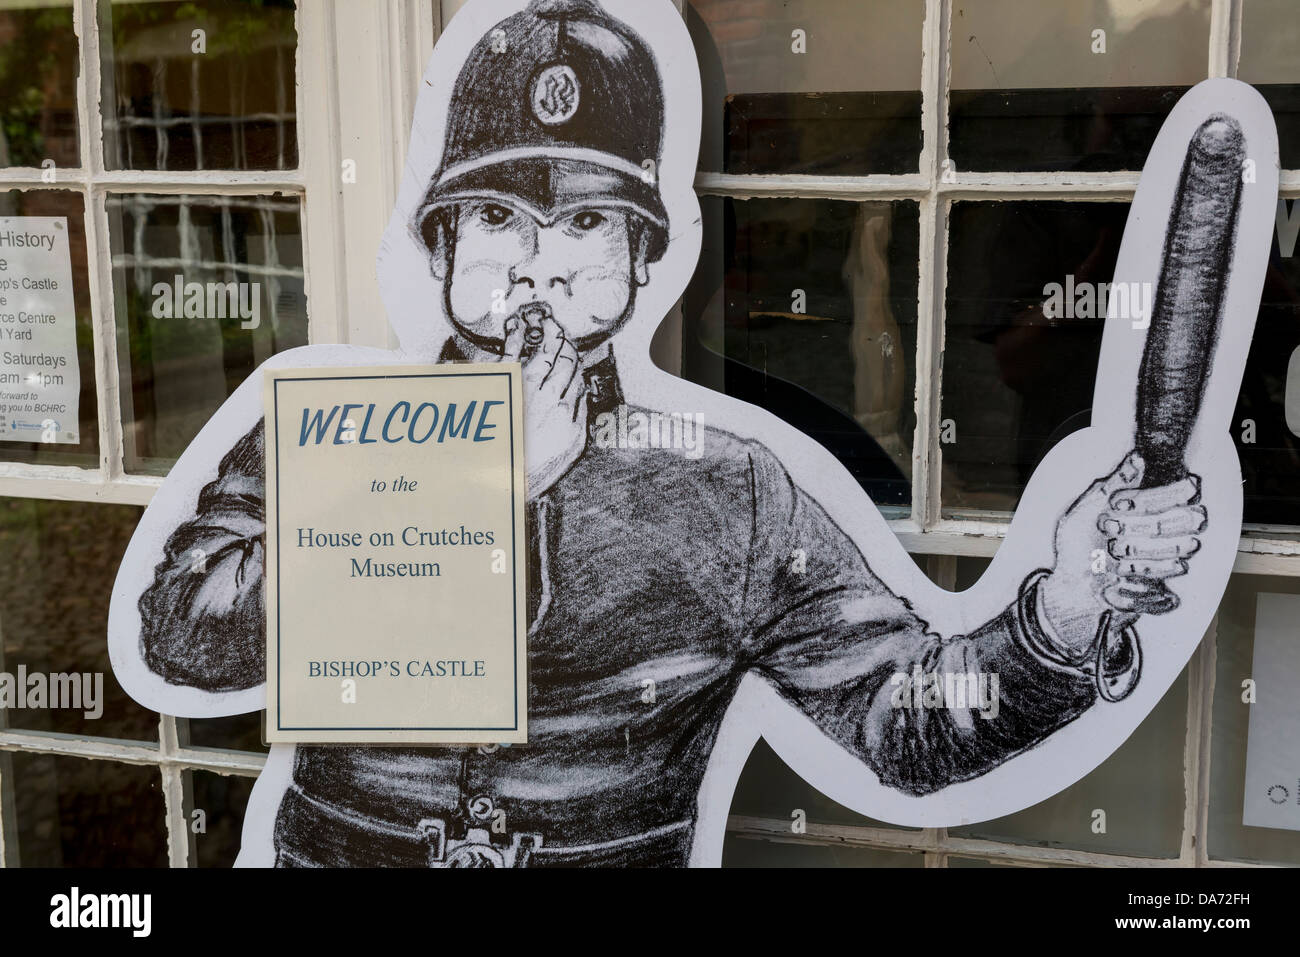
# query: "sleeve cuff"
[[1114, 663]]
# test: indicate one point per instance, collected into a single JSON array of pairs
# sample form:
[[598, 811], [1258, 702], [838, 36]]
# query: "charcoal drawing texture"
[[543, 222]]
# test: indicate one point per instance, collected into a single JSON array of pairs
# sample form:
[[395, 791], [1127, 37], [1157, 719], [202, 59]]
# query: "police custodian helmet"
[[558, 107]]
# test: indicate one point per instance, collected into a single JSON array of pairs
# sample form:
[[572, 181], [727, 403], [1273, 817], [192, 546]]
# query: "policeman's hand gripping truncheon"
[[1180, 343]]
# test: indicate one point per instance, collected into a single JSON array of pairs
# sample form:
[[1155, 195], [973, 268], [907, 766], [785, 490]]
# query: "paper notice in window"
[[396, 555], [40, 381], [1273, 740]]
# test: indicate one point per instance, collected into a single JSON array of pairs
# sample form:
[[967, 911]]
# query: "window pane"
[[38, 84], [220, 99], [1229, 837], [1267, 439], [56, 577], [78, 813], [223, 799], [239, 732], [750, 852], [809, 86], [14, 205], [1015, 382], [1139, 787], [768, 788], [1032, 88], [807, 308], [1269, 37], [206, 288]]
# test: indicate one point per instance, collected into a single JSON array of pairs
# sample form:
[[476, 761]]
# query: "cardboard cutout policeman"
[[546, 206]]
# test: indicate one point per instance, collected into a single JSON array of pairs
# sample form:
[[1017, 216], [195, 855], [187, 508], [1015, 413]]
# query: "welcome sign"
[[395, 560]]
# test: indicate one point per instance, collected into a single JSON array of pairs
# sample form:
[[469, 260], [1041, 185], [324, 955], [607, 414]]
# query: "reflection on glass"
[[38, 84], [1018, 373], [223, 799], [199, 84], [807, 308], [740, 851], [77, 813], [1140, 786], [809, 86], [60, 559], [1270, 34], [206, 289], [768, 788], [65, 203], [1065, 85], [1229, 838]]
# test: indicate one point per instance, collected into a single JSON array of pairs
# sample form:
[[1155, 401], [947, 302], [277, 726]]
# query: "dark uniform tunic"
[[645, 564]]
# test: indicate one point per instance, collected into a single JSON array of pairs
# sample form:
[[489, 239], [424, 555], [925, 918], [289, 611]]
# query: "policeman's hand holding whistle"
[[555, 394]]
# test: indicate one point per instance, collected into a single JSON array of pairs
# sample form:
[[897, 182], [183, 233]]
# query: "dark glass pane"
[[1075, 130], [223, 99], [968, 572], [849, 103], [38, 84], [238, 261], [768, 788], [750, 852], [1284, 100], [240, 732], [1035, 86], [78, 813], [1230, 739], [56, 577], [807, 308], [223, 799], [1015, 382], [831, 134], [84, 452], [1270, 35], [1267, 442]]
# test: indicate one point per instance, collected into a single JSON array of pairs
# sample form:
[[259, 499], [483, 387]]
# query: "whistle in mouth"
[[531, 314]]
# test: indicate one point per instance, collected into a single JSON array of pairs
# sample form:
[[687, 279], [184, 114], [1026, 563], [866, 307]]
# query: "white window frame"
[[350, 56]]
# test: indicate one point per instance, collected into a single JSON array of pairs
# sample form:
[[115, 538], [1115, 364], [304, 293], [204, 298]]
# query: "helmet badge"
[[555, 95]]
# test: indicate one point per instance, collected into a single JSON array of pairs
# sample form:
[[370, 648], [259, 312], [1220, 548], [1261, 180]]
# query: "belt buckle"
[[476, 848]]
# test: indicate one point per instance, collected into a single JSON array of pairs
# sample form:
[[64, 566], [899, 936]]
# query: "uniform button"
[[480, 807]]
